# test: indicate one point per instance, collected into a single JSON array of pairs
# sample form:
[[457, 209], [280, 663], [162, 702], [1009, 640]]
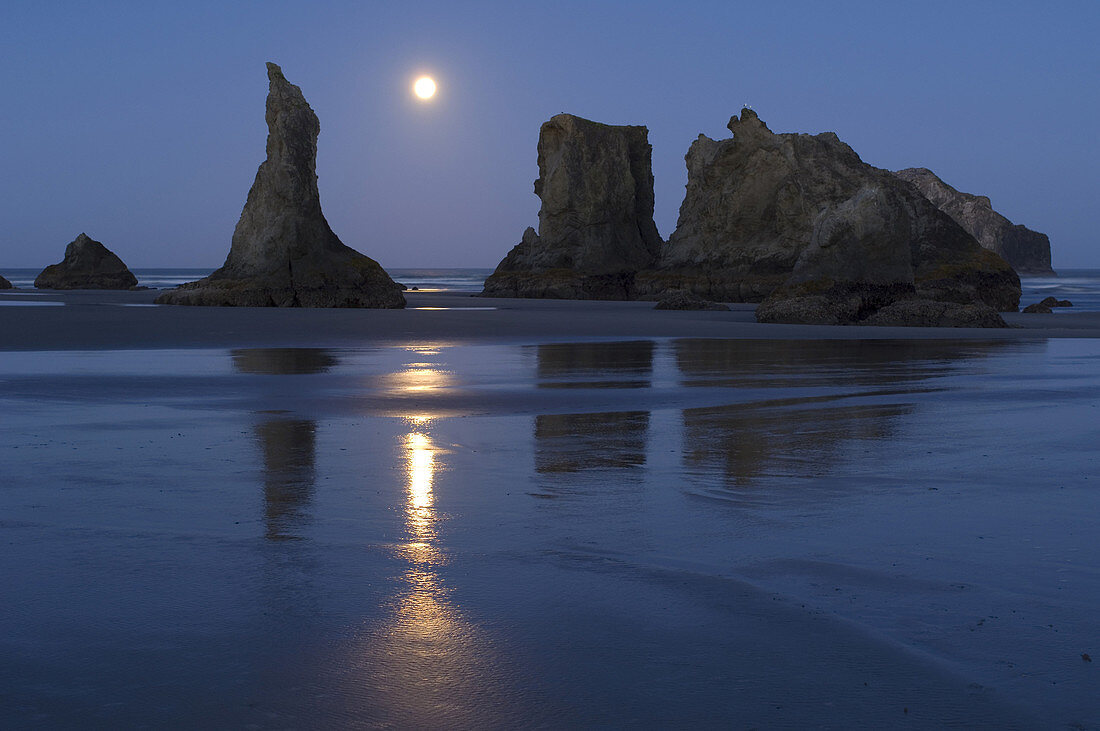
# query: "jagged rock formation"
[[283, 253], [1027, 251], [87, 264], [802, 221], [5, 284], [596, 224]]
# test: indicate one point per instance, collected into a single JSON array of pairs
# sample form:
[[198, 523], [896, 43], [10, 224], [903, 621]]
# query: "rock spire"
[[283, 253]]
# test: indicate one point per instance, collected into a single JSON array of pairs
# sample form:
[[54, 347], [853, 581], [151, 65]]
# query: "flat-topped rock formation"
[[5, 284], [283, 253], [1027, 251], [87, 264], [781, 216], [596, 224]]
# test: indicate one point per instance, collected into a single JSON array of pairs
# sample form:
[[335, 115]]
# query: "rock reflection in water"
[[288, 446], [282, 361], [575, 442], [595, 365], [289, 449], [748, 444], [763, 363]]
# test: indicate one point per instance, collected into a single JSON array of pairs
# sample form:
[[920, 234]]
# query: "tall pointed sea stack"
[[596, 224], [283, 252], [88, 264], [1027, 251]]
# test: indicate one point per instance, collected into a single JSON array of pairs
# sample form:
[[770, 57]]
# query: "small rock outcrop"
[[1027, 251], [681, 300], [800, 223], [1037, 309], [1046, 306], [283, 253], [596, 224], [87, 264], [5, 284]]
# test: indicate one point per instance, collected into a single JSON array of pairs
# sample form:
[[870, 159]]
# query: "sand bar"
[[128, 320]]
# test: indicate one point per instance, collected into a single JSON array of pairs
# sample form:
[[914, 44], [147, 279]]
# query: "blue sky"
[[143, 123]]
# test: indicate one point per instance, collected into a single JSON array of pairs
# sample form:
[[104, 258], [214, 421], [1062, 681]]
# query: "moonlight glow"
[[424, 87]]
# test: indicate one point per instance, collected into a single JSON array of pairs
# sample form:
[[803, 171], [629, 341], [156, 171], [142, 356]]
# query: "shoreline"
[[125, 320]]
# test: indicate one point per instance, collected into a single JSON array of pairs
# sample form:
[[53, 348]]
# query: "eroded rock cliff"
[[283, 253], [87, 264], [1026, 251], [767, 214], [596, 224]]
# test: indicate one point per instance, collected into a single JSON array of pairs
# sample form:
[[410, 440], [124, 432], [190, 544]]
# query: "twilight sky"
[[142, 123]]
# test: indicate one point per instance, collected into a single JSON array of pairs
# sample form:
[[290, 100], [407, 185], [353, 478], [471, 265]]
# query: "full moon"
[[424, 87]]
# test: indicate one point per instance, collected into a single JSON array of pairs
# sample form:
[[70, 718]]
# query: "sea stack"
[[87, 264], [802, 222], [1026, 251], [596, 224], [283, 253]]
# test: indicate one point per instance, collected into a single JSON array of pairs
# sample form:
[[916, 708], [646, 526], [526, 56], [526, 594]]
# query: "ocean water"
[[646, 533], [1080, 286], [439, 280]]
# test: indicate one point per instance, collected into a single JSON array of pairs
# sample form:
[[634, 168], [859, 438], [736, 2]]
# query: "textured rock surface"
[[796, 216], [596, 221], [283, 253], [87, 264], [1027, 251], [681, 300], [1037, 309], [5, 284]]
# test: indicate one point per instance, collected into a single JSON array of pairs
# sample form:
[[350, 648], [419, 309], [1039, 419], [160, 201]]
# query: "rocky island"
[[596, 224], [797, 222], [87, 264], [283, 253], [1027, 251]]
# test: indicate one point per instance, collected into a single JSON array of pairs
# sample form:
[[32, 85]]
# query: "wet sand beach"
[[544, 514]]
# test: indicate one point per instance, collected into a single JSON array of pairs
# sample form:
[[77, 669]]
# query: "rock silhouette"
[[798, 222], [802, 223], [1027, 251], [87, 264], [5, 284], [283, 253], [596, 224]]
